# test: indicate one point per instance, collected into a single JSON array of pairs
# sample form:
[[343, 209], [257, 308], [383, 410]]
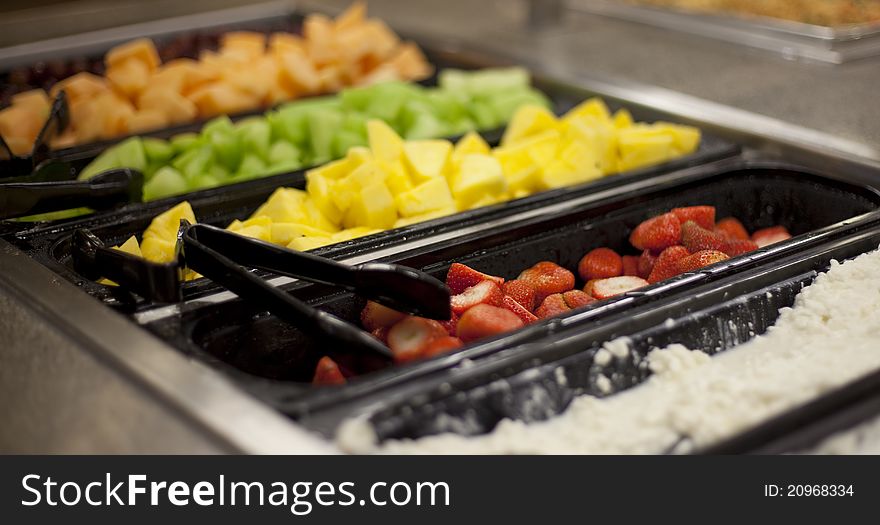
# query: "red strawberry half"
[[484, 320], [519, 310], [547, 278], [735, 247], [732, 228], [605, 288], [461, 277], [451, 324], [770, 235], [702, 215], [522, 292], [630, 265], [576, 299], [646, 263], [409, 338], [696, 238], [552, 306], [657, 233], [698, 260], [484, 292], [600, 264], [327, 373], [441, 345], [666, 267], [375, 315]]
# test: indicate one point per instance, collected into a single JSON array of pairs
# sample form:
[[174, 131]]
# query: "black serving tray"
[[275, 360], [712, 317]]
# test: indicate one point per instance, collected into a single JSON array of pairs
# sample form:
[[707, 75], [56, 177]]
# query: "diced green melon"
[[255, 137], [157, 150], [184, 142], [323, 124], [345, 140], [282, 152], [166, 182]]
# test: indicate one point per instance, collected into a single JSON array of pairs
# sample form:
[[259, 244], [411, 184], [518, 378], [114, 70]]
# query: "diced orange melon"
[[80, 86], [251, 43], [176, 108], [353, 16], [409, 62], [221, 99], [36, 100], [20, 122], [280, 43], [320, 39], [298, 74], [141, 49], [129, 77], [146, 120]]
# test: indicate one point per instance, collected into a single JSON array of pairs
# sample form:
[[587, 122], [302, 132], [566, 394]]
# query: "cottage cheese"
[[830, 337]]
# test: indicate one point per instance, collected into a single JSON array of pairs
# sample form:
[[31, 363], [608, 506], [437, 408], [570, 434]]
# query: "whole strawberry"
[[702, 215], [547, 278], [327, 373], [523, 292], [696, 238], [698, 260], [665, 266], [657, 233], [731, 227], [599, 264], [770, 235], [646, 263]]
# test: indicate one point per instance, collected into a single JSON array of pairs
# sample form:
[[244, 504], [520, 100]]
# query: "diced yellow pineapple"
[[333, 170], [346, 189], [489, 200], [166, 224], [158, 250], [528, 120], [436, 214], [477, 177], [427, 159], [536, 150], [385, 143], [428, 196], [312, 216], [353, 233], [357, 155], [525, 181], [594, 107], [643, 147], [560, 174], [472, 142], [130, 246], [579, 156], [396, 176], [259, 227], [283, 233], [320, 190], [685, 139], [373, 207], [623, 119], [284, 205], [309, 243]]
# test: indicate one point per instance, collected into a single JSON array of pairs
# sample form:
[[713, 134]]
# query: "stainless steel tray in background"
[[793, 40]]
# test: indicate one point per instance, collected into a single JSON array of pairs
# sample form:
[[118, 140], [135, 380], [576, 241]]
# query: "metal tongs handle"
[[396, 286], [106, 190], [226, 272]]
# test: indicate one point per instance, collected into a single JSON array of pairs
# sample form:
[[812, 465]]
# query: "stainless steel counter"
[[77, 377]]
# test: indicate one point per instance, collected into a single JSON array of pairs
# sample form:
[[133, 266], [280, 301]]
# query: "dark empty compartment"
[[711, 318], [252, 344]]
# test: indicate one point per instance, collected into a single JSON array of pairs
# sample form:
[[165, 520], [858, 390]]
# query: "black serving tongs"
[[222, 256], [42, 184]]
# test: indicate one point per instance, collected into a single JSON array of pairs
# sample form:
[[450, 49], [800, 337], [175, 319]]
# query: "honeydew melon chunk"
[[220, 124], [282, 167], [309, 243], [446, 105], [219, 173], [427, 159], [283, 233], [204, 181], [385, 143], [345, 140], [255, 136], [594, 107], [486, 81], [127, 154], [431, 215], [107, 160], [388, 99], [426, 126], [184, 142], [471, 143], [166, 224], [483, 115], [527, 121], [282, 152], [194, 162], [428, 196], [373, 207], [504, 105], [227, 149], [165, 182], [251, 166], [323, 124], [157, 150], [320, 188], [477, 177]]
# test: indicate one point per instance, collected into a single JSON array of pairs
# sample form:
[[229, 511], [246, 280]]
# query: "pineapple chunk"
[[594, 107], [528, 120], [470, 143], [428, 196], [165, 225], [525, 181], [559, 174], [158, 250], [396, 176], [130, 246], [385, 143], [284, 233], [257, 227], [427, 159], [333, 170], [478, 177], [623, 119], [685, 139], [346, 189], [489, 200], [353, 233], [309, 243], [406, 221], [641, 147], [284, 205], [320, 189], [373, 207]]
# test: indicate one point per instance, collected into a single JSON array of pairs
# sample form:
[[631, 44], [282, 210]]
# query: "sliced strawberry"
[[696, 238], [576, 299], [522, 292], [665, 267], [646, 263], [461, 277], [484, 320], [630, 265], [327, 373], [702, 215], [409, 338], [375, 315], [521, 311], [484, 292], [552, 306], [599, 264], [381, 334], [657, 233], [547, 278], [605, 288], [451, 324], [770, 235], [734, 247], [699, 259], [731, 227], [441, 345]]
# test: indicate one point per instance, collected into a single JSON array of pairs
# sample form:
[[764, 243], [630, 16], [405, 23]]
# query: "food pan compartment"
[[269, 349], [538, 381]]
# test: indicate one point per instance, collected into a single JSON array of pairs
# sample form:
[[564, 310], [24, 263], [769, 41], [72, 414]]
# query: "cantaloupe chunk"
[[320, 40], [252, 43], [409, 62], [195, 75], [129, 77], [20, 122], [80, 86], [298, 74], [221, 99], [280, 43], [141, 49], [146, 120], [175, 107], [353, 16], [37, 100]]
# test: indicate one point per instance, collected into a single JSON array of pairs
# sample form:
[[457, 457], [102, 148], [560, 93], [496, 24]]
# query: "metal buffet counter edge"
[[77, 377]]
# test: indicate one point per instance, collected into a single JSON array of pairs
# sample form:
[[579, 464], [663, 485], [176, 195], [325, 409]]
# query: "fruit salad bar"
[[248, 71], [435, 266]]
